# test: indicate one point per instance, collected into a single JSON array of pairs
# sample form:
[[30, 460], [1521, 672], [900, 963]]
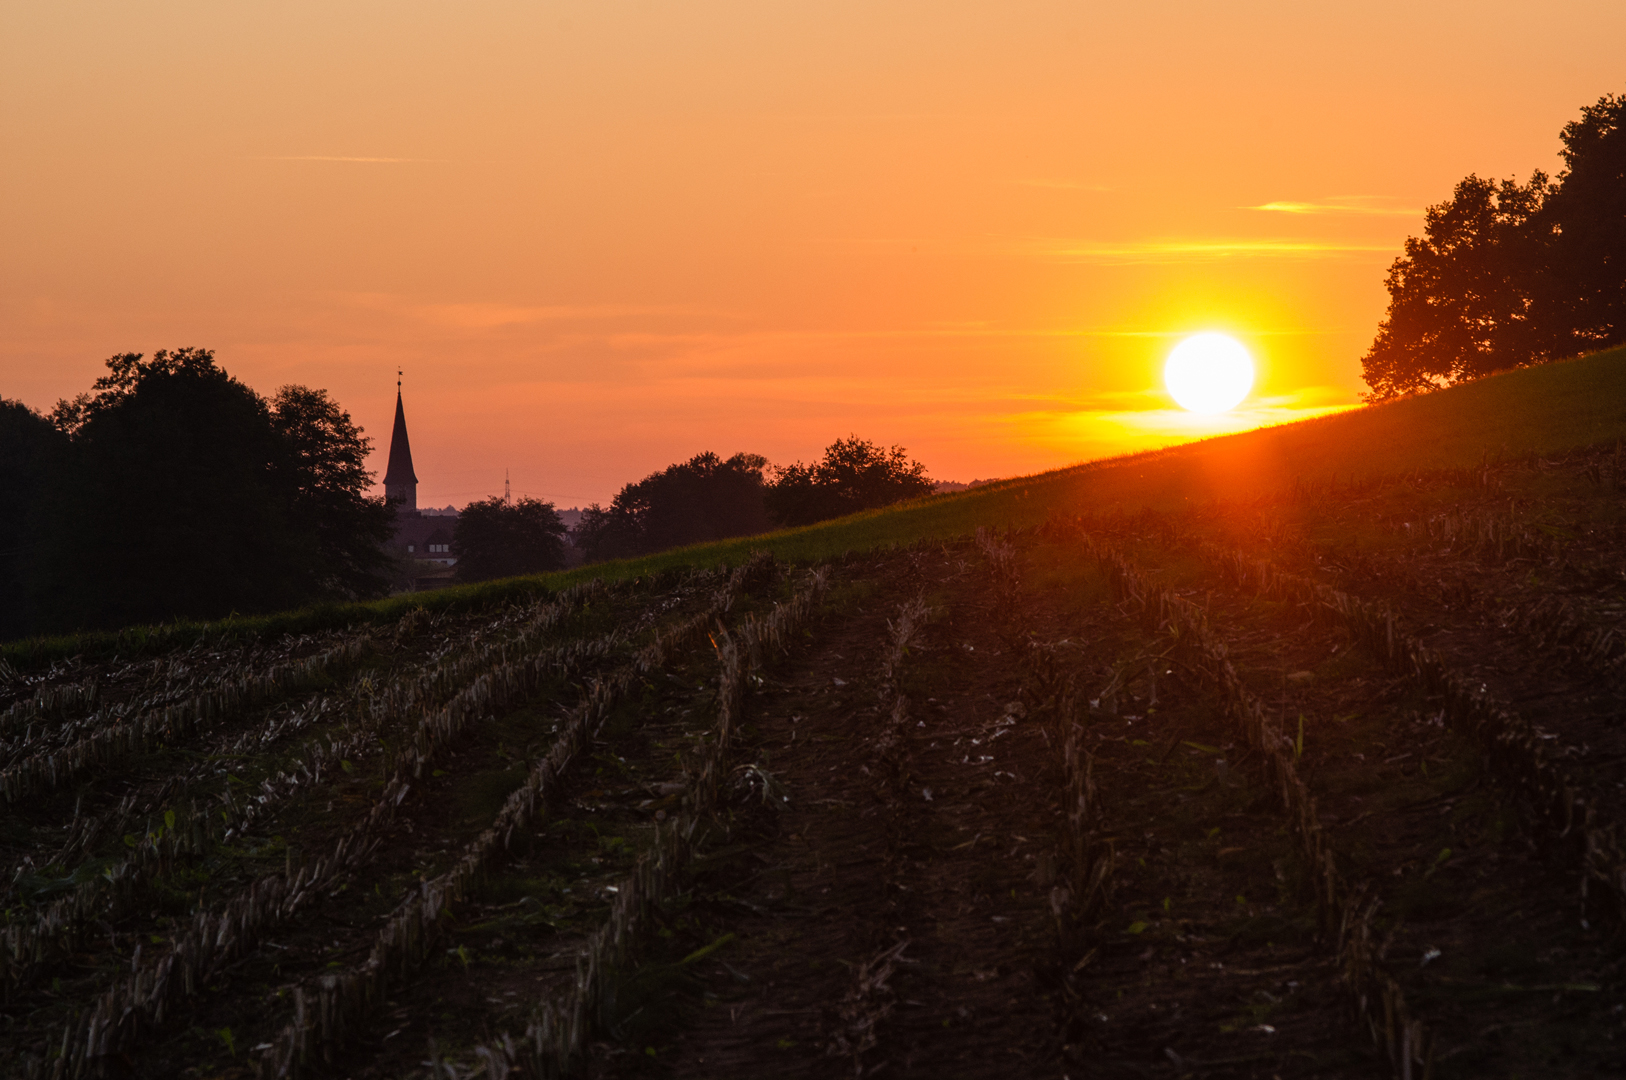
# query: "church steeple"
[[400, 482]]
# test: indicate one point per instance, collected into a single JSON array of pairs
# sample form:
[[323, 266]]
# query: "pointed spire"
[[400, 482]]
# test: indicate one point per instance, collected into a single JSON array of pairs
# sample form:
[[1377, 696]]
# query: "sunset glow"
[[1208, 373], [600, 239]]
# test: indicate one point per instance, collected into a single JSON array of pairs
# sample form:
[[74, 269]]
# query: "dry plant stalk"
[[1516, 750], [1379, 998], [559, 1028]]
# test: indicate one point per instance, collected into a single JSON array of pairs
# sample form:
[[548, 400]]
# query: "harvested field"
[[1325, 784]]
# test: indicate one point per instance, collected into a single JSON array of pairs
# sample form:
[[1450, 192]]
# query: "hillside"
[[1292, 753], [1539, 410]]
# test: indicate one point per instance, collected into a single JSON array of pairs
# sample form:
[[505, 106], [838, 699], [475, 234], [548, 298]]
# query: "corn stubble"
[[1322, 784]]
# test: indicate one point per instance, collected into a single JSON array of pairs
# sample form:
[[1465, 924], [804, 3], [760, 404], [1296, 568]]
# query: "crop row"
[[1515, 748], [116, 738], [51, 701], [558, 1031], [1082, 883], [338, 1001], [869, 999], [1346, 914], [28, 942], [55, 713], [172, 690], [375, 708], [1586, 633], [1553, 624], [56, 700], [123, 1012], [1490, 533]]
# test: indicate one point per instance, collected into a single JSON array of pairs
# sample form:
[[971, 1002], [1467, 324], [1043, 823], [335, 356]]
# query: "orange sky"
[[602, 237]]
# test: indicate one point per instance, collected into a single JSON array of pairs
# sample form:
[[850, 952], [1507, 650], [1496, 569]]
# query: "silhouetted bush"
[[496, 539], [705, 498], [854, 475]]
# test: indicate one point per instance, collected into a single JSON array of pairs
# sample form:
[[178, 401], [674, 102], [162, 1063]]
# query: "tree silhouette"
[[32, 454], [1459, 299], [1509, 274], [496, 539], [321, 473], [854, 475], [1582, 290], [183, 493], [705, 498]]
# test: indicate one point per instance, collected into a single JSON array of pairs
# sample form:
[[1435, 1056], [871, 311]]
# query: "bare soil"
[[881, 890]]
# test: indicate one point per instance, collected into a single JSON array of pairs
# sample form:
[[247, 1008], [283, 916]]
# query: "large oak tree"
[[1508, 274]]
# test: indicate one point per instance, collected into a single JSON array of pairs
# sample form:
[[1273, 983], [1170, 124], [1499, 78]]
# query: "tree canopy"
[[1584, 277], [31, 455], [1508, 274], [321, 469], [705, 498], [177, 491], [853, 475], [496, 539]]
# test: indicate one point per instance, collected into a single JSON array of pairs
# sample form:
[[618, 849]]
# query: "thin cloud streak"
[[1170, 251], [482, 315], [358, 160], [1094, 432], [1338, 204]]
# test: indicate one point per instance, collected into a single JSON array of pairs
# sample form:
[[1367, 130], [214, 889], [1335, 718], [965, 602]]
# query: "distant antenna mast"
[[507, 496]]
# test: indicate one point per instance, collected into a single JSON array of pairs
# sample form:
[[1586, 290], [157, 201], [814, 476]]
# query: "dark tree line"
[[496, 539], [1509, 274], [704, 498], [853, 475], [172, 490], [709, 498]]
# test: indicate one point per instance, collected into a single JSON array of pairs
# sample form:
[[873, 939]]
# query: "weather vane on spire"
[[397, 380]]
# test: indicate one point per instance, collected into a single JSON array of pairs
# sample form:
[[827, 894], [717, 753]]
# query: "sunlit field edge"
[[1543, 409]]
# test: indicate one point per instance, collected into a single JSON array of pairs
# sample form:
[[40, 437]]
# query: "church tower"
[[400, 482]]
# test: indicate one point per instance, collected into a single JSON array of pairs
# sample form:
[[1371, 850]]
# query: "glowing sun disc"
[[1208, 373]]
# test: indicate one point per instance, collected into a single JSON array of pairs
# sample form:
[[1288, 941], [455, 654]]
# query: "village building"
[[422, 544]]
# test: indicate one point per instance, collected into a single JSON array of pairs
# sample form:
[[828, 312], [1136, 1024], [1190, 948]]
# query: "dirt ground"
[[1027, 837]]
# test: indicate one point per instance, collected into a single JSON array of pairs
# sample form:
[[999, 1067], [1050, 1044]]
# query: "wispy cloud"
[[486, 315], [1112, 424], [357, 160], [489, 315], [1166, 251], [1340, 204]]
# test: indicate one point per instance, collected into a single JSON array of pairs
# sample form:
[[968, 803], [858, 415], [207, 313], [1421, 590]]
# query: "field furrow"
[[1327, 783], [226, 927], [1443, 849]]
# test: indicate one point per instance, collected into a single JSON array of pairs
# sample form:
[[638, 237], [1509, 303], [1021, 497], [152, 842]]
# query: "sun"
[[1209, 373]]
